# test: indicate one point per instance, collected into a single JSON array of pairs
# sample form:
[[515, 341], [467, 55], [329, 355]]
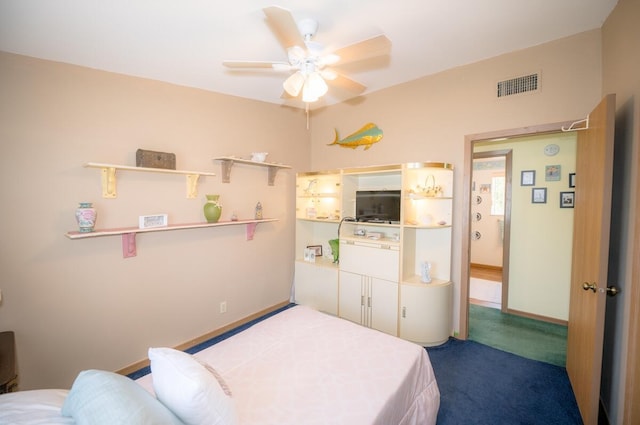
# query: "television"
[[378, 206]]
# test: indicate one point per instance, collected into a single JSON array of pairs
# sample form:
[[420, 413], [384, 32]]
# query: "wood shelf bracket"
[[109, 182], [129, 248], [251, 230], [192, 185], [226, 165], [272, 174]]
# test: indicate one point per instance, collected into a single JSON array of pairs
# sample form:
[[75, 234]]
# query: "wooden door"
[[592, 213]]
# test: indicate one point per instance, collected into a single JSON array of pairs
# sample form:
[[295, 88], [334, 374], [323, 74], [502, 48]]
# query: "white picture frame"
[[153, 220]]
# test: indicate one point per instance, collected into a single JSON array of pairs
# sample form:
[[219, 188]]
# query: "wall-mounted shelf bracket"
[[109, 181], [129, 248], [228, 161], [226, 170], [192, 185], [272, 174], [251, 230]]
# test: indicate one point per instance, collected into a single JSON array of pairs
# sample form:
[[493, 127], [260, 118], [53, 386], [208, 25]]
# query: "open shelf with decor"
[[109, 181], [129, 233], [227, 163]]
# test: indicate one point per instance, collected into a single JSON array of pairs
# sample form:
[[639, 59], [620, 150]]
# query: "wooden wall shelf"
[[228, 161], [129, 233], [109, 183]]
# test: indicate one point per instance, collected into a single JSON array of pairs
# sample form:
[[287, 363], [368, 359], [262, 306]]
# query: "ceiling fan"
[[312, 66]]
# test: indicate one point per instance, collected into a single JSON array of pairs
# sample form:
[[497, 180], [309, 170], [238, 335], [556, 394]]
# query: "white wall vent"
[[518, 85]]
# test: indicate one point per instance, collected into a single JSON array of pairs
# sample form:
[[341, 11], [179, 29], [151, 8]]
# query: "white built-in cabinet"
[[377, 281], [368, 284]]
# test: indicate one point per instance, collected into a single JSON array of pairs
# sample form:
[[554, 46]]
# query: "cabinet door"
[[383, 314], [370, 260], [425, 313], [351, 297], [316, 286]]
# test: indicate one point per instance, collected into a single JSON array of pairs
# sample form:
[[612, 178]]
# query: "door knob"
[[612, 291]]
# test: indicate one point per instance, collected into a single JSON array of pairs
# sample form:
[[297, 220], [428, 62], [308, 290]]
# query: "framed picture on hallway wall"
[[539, 195], [528, 178], [567, 199]]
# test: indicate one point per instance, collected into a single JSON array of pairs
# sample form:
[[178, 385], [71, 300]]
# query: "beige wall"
[[620, 389], [427, 119], [78, 304]]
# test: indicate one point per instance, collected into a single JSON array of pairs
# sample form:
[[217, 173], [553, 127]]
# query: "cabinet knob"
[[404, 312]]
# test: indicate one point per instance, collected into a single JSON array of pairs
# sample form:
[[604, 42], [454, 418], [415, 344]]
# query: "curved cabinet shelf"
[[109, 183], [228, 161], [129, 233]]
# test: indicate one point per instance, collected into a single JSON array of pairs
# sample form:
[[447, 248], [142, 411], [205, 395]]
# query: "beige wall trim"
[[486, 266], [538, 317], [193, 342]]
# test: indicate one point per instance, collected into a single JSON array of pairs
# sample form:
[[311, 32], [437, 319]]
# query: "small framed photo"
[[567, 199], [552, 173], [572, 179], [539, 195], [310, 255], [155, 220], [528, 178], [316, 249], [485, 188]]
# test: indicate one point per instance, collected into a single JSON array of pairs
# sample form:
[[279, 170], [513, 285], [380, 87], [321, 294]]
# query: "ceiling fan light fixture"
[[316, 85], [294, 83]]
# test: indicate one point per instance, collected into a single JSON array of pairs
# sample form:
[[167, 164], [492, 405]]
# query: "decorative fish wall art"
[[366, 136]]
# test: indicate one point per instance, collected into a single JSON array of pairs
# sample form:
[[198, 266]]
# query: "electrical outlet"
[[223, 307]]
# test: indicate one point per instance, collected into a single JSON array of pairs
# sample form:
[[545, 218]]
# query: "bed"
[[299, 366]]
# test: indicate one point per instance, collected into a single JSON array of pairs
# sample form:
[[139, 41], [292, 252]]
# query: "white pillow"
[[189, 390], [99, 397]]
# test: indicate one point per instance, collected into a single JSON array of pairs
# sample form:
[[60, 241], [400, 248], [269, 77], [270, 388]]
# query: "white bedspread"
[[304, 367], [298, 367]]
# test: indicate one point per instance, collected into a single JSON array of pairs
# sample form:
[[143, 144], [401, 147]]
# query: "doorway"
[[490, 210], [501, 141]]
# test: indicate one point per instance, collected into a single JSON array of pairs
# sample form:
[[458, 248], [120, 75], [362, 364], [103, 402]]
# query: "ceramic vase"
[[86, 217], [212, 209]]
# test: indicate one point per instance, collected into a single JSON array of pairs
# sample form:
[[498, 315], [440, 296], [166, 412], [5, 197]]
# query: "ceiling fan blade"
[[347, 84], [284, 26], [278, 66], [369, 48]]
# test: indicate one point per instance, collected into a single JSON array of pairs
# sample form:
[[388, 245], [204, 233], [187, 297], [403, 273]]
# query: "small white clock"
[[551, 149]]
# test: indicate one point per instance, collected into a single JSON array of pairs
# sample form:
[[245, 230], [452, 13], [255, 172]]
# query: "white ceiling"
[[185, 41]]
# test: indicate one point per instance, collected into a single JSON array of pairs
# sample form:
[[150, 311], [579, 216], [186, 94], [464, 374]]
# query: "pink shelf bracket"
[[129, 245], [251, 230]]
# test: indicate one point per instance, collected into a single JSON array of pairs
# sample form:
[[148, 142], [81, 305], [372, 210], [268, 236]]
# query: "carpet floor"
[[525, 337], [482, 385]]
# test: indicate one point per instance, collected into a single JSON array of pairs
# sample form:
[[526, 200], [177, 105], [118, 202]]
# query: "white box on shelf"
[[155, 220]]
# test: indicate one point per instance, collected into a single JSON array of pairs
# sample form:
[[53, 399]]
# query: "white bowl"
[[259, 156]]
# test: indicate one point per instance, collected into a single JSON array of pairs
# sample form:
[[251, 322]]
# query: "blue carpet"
[[482, 385]]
